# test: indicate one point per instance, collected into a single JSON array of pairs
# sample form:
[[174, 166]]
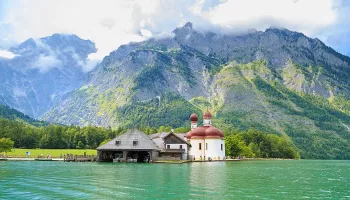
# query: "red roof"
[[194, 117], [207, 115], [213, 132], [205, 132]]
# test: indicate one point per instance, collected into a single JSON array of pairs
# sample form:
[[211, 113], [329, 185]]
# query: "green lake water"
[[289, 179]]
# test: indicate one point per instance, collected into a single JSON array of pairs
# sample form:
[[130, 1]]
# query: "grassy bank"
[[55, 153]]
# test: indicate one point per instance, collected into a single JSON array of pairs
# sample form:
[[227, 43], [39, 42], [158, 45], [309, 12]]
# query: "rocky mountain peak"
[[183, 32], [56, 42], [188, 25], [44, 70]]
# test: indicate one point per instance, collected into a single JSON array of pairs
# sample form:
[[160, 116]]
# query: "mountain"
[[277, 81], [14, 115], [43, 70]]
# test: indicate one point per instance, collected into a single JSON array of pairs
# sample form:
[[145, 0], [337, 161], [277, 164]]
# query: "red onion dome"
[[207, 115], [198, 132], [189, 134], [212, 132], [194, 117]]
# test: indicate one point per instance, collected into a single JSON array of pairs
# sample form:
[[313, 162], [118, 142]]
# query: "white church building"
[[201, 143], [207, 142]]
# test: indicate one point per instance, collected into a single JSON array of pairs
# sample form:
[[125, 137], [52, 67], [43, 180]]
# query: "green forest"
[[256, 144], [54, 136], [21, 131]]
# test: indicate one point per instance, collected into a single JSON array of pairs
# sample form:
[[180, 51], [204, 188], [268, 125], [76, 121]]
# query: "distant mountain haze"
[[42, 71]]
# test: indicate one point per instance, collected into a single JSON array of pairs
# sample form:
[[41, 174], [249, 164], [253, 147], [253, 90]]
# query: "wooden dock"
[[43, 159], [79, 158]]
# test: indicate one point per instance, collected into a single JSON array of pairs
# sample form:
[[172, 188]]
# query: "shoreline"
[[155, 162], [30, 159]]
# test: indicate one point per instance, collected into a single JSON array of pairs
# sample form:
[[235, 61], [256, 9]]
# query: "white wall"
[[214, 148], [177, 146], [195, 152]]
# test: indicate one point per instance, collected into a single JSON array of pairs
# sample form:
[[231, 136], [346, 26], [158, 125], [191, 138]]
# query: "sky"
[[111, 23]]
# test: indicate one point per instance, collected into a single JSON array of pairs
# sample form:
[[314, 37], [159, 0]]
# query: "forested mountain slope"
[[277, 81]]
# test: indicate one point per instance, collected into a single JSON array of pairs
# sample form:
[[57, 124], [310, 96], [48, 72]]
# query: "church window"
[[200, 146]]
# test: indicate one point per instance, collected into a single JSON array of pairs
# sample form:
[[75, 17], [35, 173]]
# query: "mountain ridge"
[[14, 115], [42, 71], [154, 47], [276, 81]]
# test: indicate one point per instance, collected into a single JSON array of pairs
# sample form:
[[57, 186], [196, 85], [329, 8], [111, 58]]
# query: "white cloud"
[[90, 63], [46, 62], [308, 16], [7, 54], [146, 33], [86, 64], [111, 23]]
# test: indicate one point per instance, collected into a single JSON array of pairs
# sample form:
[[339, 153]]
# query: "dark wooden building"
[[136, 146], [133, 146]]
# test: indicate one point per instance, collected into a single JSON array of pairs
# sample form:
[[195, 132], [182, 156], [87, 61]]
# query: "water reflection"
[[213, 180], [207, 179]]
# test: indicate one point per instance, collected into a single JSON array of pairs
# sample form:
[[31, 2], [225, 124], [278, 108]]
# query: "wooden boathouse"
[[133, 146]]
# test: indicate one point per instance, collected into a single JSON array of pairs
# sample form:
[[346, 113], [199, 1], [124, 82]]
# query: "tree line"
[[55, 136], [251, 143], [256, 144]]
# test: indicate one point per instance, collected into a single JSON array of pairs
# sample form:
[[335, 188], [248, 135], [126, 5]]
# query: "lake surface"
[[287, 179]]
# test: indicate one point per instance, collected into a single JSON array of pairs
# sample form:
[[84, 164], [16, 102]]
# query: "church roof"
[[205, 132], [127, 142]]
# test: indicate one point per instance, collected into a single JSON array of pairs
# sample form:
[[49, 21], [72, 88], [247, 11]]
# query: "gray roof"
[[181, 135], [158, 138], [163, 134], [159, 142], [158, 135], [126, 142]]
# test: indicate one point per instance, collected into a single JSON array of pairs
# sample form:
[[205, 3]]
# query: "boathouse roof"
[[131, 140], [158, 138]]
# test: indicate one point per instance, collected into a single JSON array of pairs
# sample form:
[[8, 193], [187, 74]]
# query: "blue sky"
[[111, 23]]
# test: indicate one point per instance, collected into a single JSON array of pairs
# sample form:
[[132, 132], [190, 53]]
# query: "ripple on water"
[[217, 180]]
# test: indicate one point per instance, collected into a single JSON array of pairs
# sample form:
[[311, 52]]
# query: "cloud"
[[86, 64], [46, 62], [308, 16], [338, 35], [90, 63], [7, 54], [111, 23]]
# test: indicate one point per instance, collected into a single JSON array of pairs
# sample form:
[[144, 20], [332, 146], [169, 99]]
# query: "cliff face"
[[277, 81], [43, 71]]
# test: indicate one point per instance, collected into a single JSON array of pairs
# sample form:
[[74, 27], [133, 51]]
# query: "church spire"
[[207, 118], [194, 120]]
